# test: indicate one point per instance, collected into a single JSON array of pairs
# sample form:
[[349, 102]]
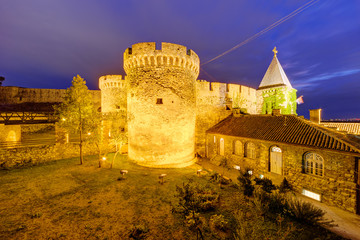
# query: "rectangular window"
[[159, 101], [312, 195]]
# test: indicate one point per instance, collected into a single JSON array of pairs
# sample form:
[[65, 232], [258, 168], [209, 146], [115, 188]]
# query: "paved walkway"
[[347, 224]]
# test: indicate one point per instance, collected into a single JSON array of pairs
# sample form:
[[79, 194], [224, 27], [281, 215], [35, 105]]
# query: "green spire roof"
[[275, 75]]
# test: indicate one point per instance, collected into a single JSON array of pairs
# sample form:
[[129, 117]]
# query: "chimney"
[[276, 112], [315, 115]]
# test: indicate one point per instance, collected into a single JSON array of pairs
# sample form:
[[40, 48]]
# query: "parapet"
[[110, 81], [170, 55], [228, 88]]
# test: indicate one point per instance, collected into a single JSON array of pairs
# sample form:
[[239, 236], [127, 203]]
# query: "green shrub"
[[285, 186], [138, 231], [218, 222], [246, 183], [194, 221], [278, 203], [215, 177], [260, 201], [194, 197], [266, 184], [305, 212]]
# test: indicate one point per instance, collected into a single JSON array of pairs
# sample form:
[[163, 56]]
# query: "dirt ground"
[[63, 200]]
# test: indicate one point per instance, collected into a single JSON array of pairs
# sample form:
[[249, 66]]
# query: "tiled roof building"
[[320, 162], [286, 129]]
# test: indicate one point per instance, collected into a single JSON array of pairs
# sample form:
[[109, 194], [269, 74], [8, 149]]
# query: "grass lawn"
[[65, 200]]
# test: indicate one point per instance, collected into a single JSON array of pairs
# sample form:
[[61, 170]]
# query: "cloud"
[[303, 83]]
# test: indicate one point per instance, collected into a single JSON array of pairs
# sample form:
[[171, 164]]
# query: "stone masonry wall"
[[24, 156], [337, 186], [10, 133], [16, 95]]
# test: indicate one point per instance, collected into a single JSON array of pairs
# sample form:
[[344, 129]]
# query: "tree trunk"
[[81, 152], [112, 162], [99, 154]]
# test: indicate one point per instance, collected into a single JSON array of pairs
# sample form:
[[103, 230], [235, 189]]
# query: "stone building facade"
[[320, 163]]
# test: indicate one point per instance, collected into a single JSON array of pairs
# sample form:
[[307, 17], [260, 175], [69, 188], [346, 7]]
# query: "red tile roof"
[[286, 129]]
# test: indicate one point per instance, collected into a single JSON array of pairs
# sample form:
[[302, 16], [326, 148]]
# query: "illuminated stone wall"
[[113, 93], [16, 95], [214, 102], [337, 187], [10, 133], [114, 98], [161, 104]]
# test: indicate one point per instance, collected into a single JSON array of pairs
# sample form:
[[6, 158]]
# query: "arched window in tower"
[[313, 164], [237, 147], [250, 150]]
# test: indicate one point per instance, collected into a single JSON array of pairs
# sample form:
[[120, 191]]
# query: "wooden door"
[[276, 162], [222, 147]]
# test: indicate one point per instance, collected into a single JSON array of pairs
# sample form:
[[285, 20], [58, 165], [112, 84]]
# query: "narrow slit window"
[[159, 101]]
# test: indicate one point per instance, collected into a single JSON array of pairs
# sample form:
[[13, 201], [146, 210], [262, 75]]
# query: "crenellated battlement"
[[170, 55], [204, 87], [223, 94], [112, 81]]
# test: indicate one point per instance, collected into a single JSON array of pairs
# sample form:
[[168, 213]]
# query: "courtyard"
[[63, 200]]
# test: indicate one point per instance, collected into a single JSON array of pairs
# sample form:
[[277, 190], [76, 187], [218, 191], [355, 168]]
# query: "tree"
[[95, 133], [76, 111], [119, 138], [1, 80]]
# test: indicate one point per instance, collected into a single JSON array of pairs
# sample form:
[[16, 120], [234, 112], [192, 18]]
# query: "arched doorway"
[[276, 160], [11, 136], [222, 147]]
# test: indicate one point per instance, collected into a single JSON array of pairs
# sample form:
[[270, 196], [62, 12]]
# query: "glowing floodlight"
[[89, 133], [198, 172], [63, 119], [103, 158], [237, 167], [261, 176], [250, 172]]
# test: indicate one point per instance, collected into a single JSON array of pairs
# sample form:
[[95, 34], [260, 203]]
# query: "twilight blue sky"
[[44, 43]]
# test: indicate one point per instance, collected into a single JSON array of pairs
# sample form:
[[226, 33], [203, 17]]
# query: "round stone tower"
[[161, 107], [113, 102], [113, 93]]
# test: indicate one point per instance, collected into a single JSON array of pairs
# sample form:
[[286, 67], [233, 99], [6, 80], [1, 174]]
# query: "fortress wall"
[[214, 101], [16, 95], [222, 94]]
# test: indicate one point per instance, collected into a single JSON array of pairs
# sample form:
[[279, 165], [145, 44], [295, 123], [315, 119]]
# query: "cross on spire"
[[275, 51]]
